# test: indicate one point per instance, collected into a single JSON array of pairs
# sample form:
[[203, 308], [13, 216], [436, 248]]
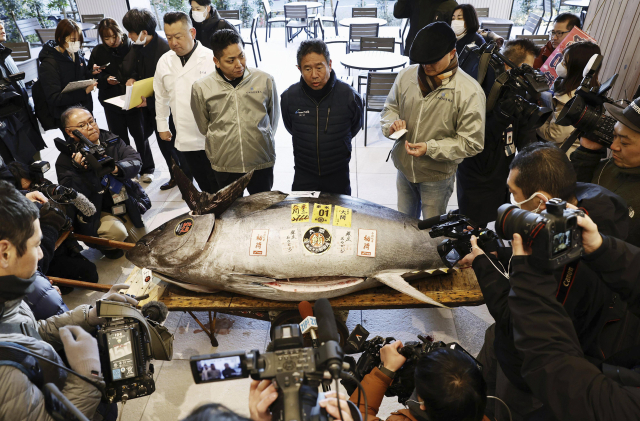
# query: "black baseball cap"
[[629, 116], [432, 43]]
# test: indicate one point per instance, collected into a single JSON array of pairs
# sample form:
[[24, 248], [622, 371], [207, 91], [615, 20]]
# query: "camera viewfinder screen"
[[223, 368], [561, 242], [121, 354], [453, 257]]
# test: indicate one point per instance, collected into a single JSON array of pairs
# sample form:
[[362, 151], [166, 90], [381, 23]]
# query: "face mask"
[[73, 47], [140, 40], [561, 70], [199, 16], [519, 204], [458, 27]]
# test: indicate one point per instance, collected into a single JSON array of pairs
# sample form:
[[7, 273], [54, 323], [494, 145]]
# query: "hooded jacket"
[[624, 182], [321, 130], [239, 123], [450, 120], [545, 52], [421, 13], [55, 72], [208, 27]]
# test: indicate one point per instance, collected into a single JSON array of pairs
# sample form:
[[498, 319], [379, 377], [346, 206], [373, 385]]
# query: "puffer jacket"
[[44, 301], [206, 29], [239, 123], [322, 131], [20, 399], [55, 72], [450, 120]]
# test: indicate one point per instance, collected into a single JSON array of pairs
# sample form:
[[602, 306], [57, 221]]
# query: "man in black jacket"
[[111, 221], [538, 173], [554, 365], [323, 114], [206, 21], [20, 138], [148, 48]]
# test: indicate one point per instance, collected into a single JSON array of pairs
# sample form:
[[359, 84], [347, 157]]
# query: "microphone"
[[434, 220], [309, 323], [330, 354]]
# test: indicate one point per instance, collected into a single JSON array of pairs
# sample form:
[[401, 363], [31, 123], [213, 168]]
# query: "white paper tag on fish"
[[259, 240], [146, 275], [314, 194], [289, 241], [345, 242], [367, 243]]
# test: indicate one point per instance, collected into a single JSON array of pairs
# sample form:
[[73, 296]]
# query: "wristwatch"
[[386, 371]]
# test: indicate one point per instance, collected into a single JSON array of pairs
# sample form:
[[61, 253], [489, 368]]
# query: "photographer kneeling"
[[120, 202], [554, 365], [20, 250]]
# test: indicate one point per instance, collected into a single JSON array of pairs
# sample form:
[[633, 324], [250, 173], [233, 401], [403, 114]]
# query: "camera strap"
[[20, 329], [568, 276]]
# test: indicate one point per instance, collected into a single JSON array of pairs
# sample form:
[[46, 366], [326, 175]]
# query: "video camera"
[[516, 92], [460, 229], [95, 155], [10, 100], [127, 343], [297, 372], [553, 235], [404, 381], [585, 111]]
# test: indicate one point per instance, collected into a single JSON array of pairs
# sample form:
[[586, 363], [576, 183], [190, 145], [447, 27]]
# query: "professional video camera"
[[585, 111], [127, 343], [516, 92], [10, 100], [460, 229], [95, 155], [296, 371], [553, 235], [404, 381]]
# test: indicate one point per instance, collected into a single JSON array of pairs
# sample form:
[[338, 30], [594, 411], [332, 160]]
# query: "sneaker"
[[113, 254], [168, 185], [146, 178]]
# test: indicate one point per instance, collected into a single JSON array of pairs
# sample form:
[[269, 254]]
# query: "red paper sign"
[[548, 69]]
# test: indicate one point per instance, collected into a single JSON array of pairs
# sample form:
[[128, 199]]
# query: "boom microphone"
[[309, 323], [330, 354], [435, 220]]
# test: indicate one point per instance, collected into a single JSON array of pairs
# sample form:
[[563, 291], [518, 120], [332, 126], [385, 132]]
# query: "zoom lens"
[[513, 220]]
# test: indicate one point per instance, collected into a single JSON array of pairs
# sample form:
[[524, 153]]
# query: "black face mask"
[[414, 407]]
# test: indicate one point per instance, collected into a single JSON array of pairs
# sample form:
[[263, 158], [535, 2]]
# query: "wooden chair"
[[297, 18], [332, 18], [28, 27], [327, 39], [374, 44], [231, 14], [379, 85], [270, 18], [364, 12], [20, 51], [547, 7], [532, 24], [483, 12], [46, 34], [359, 30], [253, 39], [538, 40], [501, 29], [91, 42]]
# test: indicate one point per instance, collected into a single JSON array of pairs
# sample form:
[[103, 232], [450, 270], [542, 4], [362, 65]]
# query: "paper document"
[[397, 135], [141, 88], [80, 84]]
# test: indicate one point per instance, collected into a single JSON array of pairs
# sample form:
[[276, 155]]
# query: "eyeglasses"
[[557, 33], [86, 125]]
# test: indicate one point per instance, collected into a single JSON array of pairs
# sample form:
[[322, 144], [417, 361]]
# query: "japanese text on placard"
[[300, 212], [259, 240]]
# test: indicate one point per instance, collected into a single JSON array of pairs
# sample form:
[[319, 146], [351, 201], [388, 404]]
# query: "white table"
[[309, 4], [349, 21], [235, 22], [577, 3], [374, 60], [495, 20]]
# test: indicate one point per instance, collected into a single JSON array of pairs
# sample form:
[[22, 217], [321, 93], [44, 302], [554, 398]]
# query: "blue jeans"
[[430, 197]]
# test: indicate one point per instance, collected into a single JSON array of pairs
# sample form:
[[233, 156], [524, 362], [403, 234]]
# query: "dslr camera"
[[585, 111], [459, 229], [553, 235], [127, 343], [10, 100], [296, 371], [95, 155]]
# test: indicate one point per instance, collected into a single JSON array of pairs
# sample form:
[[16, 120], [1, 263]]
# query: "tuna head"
[[173, 244]]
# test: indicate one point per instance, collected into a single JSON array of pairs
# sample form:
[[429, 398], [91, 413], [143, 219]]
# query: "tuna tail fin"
[[202, 203], [394, 279]]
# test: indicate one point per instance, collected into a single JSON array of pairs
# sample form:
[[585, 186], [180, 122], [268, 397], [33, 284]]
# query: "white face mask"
[[561, 70], [519, 204], [458, 27], [199, 16], [140, 40], [73, 47]]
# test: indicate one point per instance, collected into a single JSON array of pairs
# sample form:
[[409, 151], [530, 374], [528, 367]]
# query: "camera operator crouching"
[[105, 180]]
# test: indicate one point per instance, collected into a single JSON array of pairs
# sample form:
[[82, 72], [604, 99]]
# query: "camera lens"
[[513, 220]]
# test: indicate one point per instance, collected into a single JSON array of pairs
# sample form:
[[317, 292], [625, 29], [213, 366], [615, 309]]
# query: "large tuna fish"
[[264, 246]]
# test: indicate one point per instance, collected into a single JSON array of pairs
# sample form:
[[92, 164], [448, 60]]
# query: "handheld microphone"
[[309, 323], [330, 354]]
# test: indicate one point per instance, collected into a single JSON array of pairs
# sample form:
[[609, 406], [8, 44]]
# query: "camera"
[[516, 92], [127, 343], [460, 229], [553, 235], [404, 382], [585, 111], [296, 371], [10, 100], [95, 155]]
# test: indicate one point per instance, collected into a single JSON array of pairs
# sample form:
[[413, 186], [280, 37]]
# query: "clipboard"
[[79, 84], [132, 99]]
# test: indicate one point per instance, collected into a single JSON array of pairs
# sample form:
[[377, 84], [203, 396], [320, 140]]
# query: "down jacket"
[[19, 398], [322, 130]]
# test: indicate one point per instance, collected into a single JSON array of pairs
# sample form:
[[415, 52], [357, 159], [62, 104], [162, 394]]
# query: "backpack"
[[41, 107]]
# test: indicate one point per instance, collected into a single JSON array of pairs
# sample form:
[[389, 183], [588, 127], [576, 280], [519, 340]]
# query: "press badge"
[[120, 197], [509, 147], [119, 209]]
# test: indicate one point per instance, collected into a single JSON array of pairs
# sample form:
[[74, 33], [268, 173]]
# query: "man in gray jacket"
[[443, 110], [237, 109]]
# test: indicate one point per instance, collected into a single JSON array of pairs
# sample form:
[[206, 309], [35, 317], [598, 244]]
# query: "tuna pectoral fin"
[[202, 203], [394, 279]]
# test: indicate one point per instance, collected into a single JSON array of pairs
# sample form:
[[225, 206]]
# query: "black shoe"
[[113, 254], [168, 185]]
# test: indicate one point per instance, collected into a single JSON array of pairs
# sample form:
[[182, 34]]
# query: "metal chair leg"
[[366, 113], [335, 24], [266, 32], [254, 54], [258, 47]]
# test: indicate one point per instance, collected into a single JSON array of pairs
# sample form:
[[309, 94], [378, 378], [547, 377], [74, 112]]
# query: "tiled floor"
[[371, 178]]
